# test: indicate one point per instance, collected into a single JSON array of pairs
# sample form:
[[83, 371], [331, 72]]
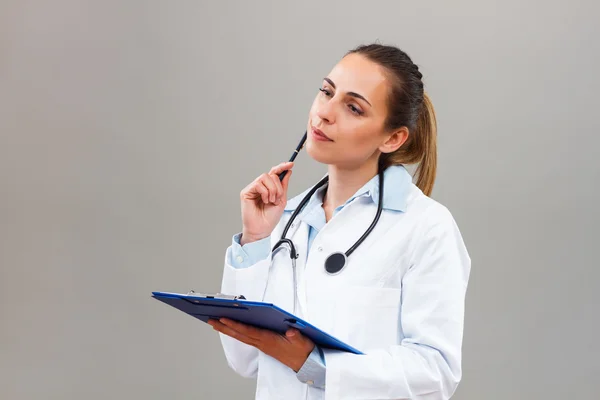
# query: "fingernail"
[[290, 333]]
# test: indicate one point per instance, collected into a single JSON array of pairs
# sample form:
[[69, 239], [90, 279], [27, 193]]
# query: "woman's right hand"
[[263, 202]]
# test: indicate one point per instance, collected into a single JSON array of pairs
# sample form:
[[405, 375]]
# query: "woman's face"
[[350, 109]]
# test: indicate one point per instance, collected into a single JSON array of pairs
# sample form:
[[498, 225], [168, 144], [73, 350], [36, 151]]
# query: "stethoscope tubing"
[[336, 261]]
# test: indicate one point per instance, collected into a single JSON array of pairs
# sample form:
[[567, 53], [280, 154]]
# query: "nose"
[[325, 111]]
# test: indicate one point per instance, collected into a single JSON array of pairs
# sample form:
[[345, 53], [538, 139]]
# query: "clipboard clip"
[[217, 295]]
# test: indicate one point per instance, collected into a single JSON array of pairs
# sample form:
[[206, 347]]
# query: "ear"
[[395, 140]]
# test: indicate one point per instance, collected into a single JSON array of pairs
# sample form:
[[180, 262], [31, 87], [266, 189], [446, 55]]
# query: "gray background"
[[128, 129]]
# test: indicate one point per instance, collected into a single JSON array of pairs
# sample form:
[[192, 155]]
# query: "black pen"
[[300, 145]]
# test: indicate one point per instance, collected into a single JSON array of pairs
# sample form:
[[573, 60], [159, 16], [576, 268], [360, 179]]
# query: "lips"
[[318, 132]]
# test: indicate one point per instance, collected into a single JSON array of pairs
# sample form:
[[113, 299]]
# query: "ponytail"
[[426, 134], [420, 148]]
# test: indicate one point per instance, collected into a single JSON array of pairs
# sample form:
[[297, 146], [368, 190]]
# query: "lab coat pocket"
[[367, 317]]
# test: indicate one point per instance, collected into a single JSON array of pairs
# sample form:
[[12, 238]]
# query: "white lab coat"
[[400, 300]]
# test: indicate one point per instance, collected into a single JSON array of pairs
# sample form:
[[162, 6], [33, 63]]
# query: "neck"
[[344, 182]]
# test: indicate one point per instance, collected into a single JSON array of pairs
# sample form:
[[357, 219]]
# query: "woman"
[[399, 298]]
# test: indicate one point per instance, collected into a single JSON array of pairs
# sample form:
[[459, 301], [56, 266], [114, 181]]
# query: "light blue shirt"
[[396, 182]]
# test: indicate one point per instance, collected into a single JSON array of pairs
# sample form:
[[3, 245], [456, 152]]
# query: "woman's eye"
[[327, 92], [352, 108], [355, 110]]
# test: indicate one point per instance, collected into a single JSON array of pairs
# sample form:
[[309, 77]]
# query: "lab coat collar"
[[397, 182]]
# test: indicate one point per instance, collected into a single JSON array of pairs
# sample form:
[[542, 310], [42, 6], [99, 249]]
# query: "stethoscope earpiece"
[[335, 262]]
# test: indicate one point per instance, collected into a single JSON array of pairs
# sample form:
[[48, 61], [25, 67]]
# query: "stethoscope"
[[335, 262]]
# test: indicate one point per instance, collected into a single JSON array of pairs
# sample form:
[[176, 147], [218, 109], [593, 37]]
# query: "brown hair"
[[409, 106]]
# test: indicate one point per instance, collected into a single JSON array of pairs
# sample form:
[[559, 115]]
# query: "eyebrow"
[[353, 94]]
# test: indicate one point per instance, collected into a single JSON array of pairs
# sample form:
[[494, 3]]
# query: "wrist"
[[249, 238], [302, 358]]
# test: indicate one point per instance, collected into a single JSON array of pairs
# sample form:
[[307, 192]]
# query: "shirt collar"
[[396, 181]]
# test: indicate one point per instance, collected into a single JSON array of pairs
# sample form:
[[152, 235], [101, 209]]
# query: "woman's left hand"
[[292, 349]]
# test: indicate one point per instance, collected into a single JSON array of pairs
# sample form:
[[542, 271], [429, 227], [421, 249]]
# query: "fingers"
[[284, 166], [226, 330], [268, 181], [262, 190], [246, 330], [268, 186], [281, 185], [278, 188]]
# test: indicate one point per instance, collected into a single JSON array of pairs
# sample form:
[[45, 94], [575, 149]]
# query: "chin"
[[317, 153]]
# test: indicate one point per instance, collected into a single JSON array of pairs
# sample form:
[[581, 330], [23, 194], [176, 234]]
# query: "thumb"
[[292, 335]]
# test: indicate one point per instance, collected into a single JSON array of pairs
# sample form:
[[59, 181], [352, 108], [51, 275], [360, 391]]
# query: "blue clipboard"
[[259, 314]]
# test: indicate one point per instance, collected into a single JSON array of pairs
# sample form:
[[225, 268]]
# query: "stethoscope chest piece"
[[335, 263]]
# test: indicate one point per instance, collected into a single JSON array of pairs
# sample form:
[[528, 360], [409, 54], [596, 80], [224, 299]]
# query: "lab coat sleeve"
[[426, 364], [249, 280]]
